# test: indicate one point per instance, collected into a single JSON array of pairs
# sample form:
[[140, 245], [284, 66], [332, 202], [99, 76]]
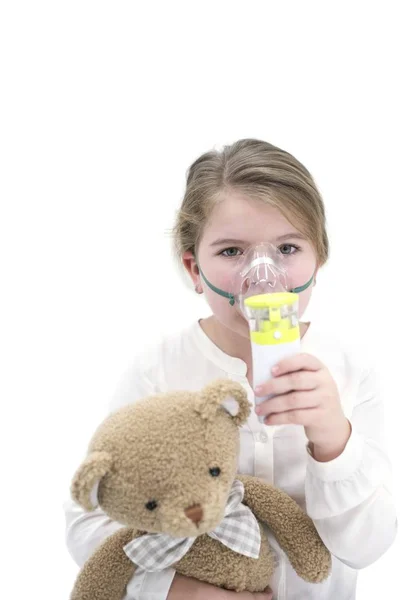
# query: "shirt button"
[[263, 438]]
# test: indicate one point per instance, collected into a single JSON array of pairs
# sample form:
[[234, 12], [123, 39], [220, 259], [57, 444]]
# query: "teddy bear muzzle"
[[194, 513]]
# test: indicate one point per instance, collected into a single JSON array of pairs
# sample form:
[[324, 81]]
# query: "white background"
[[103, 107]]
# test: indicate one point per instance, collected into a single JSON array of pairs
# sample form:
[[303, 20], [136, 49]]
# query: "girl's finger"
[[298, 362], [289, 402], [298, 380], [305, 417], [265, 595]]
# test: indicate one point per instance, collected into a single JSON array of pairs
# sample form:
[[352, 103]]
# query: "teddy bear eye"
[[215, 472], [151, 505]]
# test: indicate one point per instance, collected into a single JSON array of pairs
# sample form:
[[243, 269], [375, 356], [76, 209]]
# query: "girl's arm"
[[349, 498], [85, 531]]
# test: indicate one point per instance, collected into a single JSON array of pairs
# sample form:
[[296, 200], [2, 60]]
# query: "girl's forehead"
[[242, 218]]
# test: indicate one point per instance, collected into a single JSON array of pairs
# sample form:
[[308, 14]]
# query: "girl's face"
[[236, 223]]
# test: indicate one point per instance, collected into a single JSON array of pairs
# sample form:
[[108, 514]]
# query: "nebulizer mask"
[[259, 291]]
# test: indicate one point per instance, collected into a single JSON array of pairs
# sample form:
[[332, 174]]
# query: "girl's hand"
[[183, 588], [307, 395]]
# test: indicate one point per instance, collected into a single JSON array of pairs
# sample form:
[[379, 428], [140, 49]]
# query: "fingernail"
[[258, 390], [275, 370]]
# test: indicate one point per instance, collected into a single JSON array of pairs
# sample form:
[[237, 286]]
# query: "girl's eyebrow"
[[294, 235], [228, 241]]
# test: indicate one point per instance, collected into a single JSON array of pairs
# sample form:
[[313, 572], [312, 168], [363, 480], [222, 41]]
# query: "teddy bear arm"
[[107, 571], [293, 528]]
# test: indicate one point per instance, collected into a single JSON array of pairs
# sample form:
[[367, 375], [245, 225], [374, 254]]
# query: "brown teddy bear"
[[166, 468]]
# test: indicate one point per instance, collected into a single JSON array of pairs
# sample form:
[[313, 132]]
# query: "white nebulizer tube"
[[274, 333]]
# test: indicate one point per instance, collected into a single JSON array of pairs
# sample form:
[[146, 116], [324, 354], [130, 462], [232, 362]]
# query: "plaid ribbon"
[[238, 530]]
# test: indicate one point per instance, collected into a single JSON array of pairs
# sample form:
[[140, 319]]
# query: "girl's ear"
[[315, 274], [189, 262], [227, 395], [85, 482]]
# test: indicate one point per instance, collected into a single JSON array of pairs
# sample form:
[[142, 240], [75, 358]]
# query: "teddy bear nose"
[[194, 513]]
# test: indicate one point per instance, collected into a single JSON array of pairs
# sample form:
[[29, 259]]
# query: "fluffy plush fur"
[[161, 449]]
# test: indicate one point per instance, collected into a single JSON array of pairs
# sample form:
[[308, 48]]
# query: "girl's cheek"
[[223, 280]]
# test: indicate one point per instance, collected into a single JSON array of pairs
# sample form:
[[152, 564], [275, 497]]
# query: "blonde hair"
[[260, 171]]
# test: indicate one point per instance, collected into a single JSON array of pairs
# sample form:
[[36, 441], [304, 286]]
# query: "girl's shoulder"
[[160, 364], [173, 347]]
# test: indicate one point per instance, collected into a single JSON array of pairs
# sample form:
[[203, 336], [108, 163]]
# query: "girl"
[[324, 434]]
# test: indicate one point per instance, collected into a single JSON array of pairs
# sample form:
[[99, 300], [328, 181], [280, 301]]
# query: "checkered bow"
[[238, 530]]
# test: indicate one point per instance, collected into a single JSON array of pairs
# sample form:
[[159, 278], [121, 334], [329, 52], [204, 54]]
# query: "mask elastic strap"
[[230, 297], [303, 287]]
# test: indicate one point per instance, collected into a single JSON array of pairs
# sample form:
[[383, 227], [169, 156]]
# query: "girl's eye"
[[288, 249], [230, 252]]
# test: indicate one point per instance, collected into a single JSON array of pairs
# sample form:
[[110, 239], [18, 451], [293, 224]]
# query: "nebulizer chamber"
[[274, 333]]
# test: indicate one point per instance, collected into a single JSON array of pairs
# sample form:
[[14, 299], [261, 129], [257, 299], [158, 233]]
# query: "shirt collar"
[[227, 363]]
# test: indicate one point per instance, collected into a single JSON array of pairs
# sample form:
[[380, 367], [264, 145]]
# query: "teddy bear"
[[165, 467]]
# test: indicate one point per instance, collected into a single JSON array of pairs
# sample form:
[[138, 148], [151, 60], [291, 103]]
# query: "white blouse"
[[348, 498]]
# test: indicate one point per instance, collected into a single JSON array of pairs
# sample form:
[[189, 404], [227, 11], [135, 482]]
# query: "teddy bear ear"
[[226, 394], [86, 480]]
